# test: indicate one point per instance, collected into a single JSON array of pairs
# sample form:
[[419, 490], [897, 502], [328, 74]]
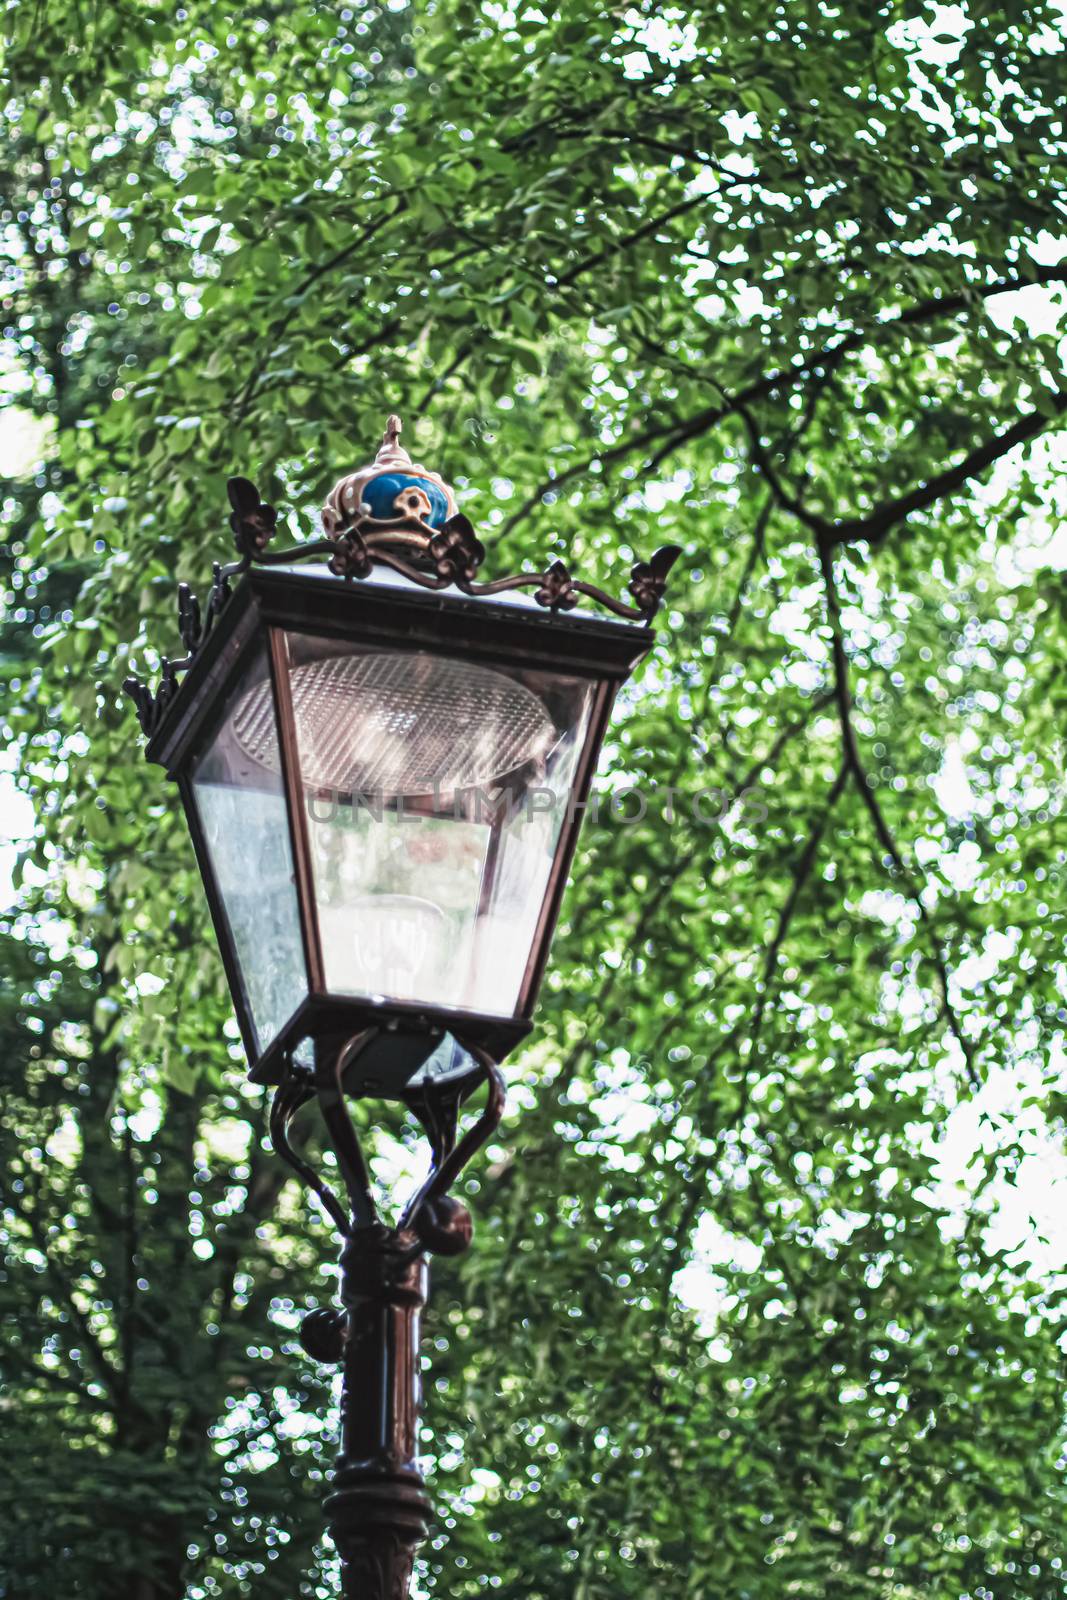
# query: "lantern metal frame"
[[377, 1507], [275, 602], [273, 596]]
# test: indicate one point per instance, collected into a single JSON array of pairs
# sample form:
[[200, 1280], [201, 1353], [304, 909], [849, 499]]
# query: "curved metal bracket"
[[438, 1113], [289, 1097], [377, 1507], [342, 1131], [452, 1161]]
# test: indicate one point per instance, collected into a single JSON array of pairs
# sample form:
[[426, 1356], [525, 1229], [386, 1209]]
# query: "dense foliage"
[[744, 1316]]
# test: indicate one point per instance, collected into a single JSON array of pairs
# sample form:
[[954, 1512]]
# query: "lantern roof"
[[392, 531]]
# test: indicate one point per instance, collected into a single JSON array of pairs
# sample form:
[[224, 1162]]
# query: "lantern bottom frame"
[[407, 1035]]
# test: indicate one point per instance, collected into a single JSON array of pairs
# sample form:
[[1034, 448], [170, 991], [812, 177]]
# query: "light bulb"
[[393, 945]]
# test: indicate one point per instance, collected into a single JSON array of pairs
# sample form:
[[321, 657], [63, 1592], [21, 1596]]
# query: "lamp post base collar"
[[377, 1523]]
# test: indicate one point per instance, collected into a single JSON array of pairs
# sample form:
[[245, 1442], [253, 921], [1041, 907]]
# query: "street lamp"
[[384, 764]]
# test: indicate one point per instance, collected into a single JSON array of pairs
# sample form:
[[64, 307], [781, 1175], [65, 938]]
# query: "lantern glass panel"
[[244, 823], [435, 792]]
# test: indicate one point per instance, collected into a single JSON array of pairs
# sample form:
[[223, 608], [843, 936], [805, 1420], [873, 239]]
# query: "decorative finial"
[[392, 456], [392, 486]]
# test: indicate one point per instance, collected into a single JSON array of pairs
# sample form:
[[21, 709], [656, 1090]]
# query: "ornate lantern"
[[384, 764]]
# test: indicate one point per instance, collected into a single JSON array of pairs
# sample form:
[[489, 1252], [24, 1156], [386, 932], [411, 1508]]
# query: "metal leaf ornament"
[[351, 558], [648, 579], [557, 589], [190, 625], [456, 550], [253, 522]]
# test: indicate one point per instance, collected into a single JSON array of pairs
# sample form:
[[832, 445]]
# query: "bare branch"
[[875, 526], [670, 435], [854, 766]]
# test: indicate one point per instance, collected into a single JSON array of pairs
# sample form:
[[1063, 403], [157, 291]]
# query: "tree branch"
[[665, 887], [360, 238], [618, 246], [801, 873], [876, 525], [68, 1386], [854, 766], [676, 432], [63, 1292]]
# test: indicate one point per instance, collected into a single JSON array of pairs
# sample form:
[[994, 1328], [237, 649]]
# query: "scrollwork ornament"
[[351, 558], [252, 520], [194, 626], [557, 591], [144, 702], [151, 706], [190, 625], [648, 580], [456, 551], [357, 541]]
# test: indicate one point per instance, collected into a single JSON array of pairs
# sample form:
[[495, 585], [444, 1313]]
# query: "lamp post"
[[384, 762]]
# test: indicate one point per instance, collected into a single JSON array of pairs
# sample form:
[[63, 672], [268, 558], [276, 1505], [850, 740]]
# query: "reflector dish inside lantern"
[[409, 724]]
